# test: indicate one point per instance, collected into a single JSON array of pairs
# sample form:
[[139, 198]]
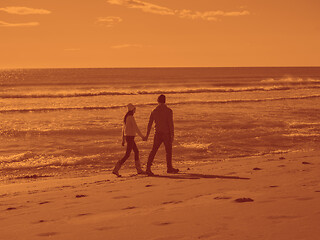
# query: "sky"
[[159, 33]]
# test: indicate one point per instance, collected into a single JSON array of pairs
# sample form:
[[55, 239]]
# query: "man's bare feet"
[[173, 170], [149, 173]]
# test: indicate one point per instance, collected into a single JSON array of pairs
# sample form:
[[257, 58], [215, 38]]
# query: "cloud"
[[24, 10], [109, 21], [126, 46], [27, 24], [144, 6], [210, 15], [185, 13]]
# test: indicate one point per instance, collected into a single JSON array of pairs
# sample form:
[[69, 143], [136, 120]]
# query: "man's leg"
[[156, 144], [168, 146]]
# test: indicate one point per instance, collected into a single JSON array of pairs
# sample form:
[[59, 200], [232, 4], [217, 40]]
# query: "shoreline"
[[266, 197]]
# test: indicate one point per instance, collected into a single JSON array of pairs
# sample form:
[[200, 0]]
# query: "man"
[[164, 133]]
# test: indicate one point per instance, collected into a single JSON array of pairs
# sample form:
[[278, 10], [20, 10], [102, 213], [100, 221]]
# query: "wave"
[[150, 104], [17, 158], [59, 132], [67, 95], [32, 160], [151, 92], [291, 80]]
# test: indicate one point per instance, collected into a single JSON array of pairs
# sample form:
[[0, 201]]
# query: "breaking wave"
[[150, 92], [32, 160], [148, 104]]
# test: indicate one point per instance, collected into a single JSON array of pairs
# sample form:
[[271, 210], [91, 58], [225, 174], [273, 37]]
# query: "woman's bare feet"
[[116, 173]]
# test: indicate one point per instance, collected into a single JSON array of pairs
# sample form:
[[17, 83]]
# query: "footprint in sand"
[[306, 163], [47, 234], [106, 228], [101, 181], [110, 191], [256, 169], [242, 200], [65, 186], [129, 208], [11, 208], [80, 196], [162, 223], [173, 202], [33, 192], [83, 214], [120, 197], [207, 235]]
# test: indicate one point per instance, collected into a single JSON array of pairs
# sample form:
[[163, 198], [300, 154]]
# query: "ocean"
[[67, 122]]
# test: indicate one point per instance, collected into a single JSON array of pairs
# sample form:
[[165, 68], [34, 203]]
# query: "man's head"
[[162, 99]]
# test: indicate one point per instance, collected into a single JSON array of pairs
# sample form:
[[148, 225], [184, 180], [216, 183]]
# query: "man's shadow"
[[198, 176]]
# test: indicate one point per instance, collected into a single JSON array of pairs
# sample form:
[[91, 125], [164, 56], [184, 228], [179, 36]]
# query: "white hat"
[[131, 107]]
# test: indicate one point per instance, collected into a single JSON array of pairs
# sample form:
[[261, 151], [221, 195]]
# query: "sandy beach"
[[268, 197], [219, 99]]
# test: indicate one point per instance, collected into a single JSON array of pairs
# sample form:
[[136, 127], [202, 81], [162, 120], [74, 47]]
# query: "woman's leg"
[[130, 142]]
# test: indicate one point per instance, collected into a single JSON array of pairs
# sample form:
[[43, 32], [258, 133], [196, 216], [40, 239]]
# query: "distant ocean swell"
[[148, 104], [115, 93]]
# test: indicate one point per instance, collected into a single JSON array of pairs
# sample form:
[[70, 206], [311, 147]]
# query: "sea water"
[[68, 121]]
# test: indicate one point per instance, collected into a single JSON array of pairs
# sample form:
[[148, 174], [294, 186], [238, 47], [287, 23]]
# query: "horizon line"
[[154, 67]]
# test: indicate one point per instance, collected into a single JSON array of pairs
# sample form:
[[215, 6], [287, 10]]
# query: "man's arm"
[[123, 138], [151, 119], [171, 125]]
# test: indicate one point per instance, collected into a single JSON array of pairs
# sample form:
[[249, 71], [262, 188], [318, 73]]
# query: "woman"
[[129, 131]]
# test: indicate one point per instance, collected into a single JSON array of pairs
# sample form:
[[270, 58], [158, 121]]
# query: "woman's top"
[[130, 128]]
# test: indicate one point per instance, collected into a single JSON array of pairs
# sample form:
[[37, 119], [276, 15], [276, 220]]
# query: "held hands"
[[145, 138], [122, 143]]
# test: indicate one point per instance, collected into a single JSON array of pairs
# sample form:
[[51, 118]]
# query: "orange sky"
[[159, 33]]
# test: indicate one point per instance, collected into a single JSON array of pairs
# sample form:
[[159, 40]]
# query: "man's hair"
[[162, 99]]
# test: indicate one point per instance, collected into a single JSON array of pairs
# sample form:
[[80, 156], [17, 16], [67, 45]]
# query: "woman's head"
[[131, 111], [131, 108]]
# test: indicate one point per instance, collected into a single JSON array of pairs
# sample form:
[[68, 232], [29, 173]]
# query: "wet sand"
[[268, 197]]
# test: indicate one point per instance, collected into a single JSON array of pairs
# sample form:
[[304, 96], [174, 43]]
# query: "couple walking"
[[164, 133]]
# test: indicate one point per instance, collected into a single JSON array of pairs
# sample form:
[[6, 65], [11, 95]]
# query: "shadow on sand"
[[197, 176]]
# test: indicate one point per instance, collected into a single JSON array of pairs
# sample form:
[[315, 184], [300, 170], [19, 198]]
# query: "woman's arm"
[[137, 129]]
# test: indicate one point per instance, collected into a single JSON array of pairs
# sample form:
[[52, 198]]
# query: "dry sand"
[[270, 197]]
